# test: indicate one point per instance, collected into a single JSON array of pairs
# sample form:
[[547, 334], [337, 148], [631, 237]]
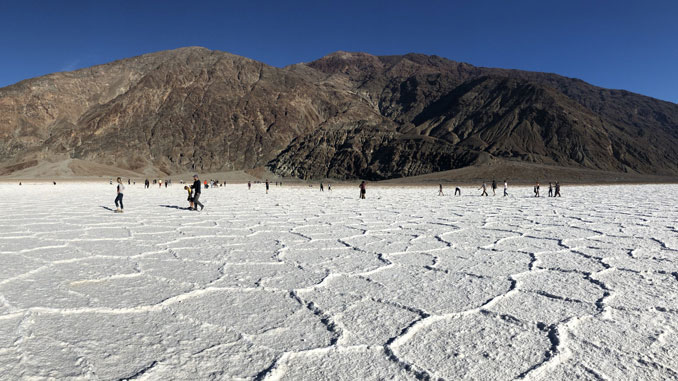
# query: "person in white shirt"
[[118, 199]]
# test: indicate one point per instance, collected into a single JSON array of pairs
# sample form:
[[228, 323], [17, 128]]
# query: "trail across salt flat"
[[299, 284]]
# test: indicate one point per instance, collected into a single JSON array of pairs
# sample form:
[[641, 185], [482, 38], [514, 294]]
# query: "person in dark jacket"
[[196, 193]]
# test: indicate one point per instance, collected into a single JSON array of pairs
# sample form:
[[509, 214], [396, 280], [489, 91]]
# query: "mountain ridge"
[[378, 117]]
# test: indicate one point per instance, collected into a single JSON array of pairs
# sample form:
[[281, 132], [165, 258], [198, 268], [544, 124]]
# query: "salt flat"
[[299, 284]]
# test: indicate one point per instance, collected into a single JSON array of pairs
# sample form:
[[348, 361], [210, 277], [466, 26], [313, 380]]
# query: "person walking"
[[147, 184], [329, 187], [440, 190], [321, 187], [118, 199], [363, 189], [494, 187], [484, 188], [557, 190], [196, 193], [190, 198], [249, 185], [505, 188], [267, 186], [457, 190], [550, 189], [536, 190]]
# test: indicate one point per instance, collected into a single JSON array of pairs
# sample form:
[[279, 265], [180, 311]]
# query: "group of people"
[[194, 194], [494, 188], [194, 190], [554, 191]]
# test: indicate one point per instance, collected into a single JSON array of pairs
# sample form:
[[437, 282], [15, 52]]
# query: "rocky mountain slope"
[[346, 115]]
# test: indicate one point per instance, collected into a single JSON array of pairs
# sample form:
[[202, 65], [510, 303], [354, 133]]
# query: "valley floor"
[[299, 284]]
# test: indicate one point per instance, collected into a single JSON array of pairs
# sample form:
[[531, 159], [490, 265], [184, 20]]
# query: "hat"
[[196, 175]]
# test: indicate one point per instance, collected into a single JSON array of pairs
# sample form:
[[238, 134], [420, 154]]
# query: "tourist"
[[249, 185], [536, 190], [550, 189], [457, 190], [196, 193], [118, 199], [267, 186], [494, 187], [557, 190], [363, 189], [505, 188], [190, 197], [484, 188], [321, 187]]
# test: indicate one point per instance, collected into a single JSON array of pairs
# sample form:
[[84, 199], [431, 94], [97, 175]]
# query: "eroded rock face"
[[347, 115]]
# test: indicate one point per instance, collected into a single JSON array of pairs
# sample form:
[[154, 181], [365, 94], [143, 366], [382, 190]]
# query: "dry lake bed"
[[305, 285]]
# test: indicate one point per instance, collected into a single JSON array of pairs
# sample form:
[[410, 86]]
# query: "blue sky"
[[620, 44]]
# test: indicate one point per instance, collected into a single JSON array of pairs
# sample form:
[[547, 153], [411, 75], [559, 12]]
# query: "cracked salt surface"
[[299, 284]]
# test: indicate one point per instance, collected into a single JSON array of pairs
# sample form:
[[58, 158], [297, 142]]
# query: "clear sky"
[[618, 44]]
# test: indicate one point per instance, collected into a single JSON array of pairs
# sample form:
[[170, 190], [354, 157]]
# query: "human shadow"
[[175, 207], [107, 208]]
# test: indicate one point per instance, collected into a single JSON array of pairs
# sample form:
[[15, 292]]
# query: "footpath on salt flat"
[[299, 284]]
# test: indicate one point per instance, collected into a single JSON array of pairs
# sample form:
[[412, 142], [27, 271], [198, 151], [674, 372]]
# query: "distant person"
[[166, 181], [19, 183], [147, 184], [557, 190], [206, 185], [550, 190], [505, 188], [329, 187], [536, 190], [118, 198], [190, 197], [457, 190], [484, 188], [249, 185], [267, 185], [494, 187], [159, 183], [110, 182], [321, 187], [54, 182], [196, 193], [363, 189], [440, 190], [129, 181]]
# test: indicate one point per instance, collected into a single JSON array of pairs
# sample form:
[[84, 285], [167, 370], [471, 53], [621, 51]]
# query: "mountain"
[[346, 115]]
